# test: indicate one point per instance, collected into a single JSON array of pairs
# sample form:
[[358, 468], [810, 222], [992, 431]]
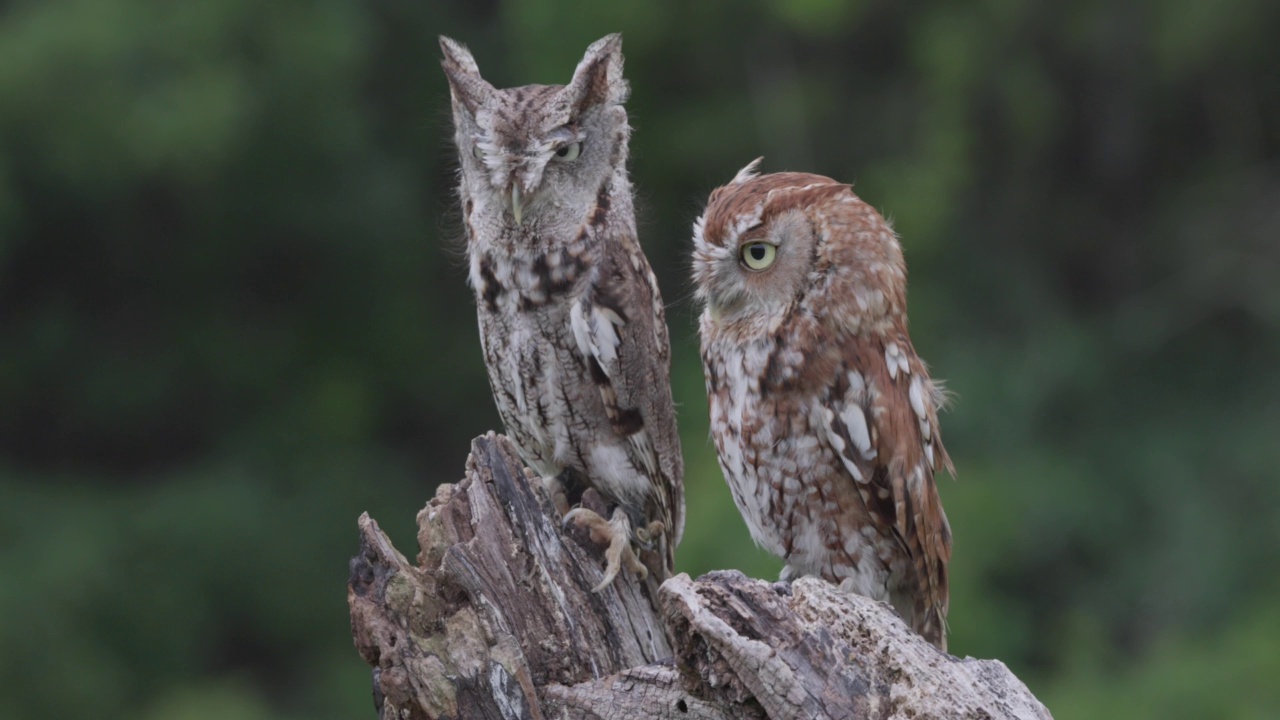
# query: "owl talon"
[[645, 535], [618, 556], [617, 533], [555, 490], [553, 487], [584, 518]]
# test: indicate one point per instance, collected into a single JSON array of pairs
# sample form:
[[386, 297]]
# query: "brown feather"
[[825, 420]]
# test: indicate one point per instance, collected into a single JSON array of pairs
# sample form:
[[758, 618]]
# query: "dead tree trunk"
[[496, 619]]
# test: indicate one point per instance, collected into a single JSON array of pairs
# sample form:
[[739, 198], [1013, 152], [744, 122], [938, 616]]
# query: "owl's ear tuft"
[[751, 171], [598, 79], [468, 89]]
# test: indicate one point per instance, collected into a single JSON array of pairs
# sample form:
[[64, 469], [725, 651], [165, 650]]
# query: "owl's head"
[[768, 242], [532, 149]]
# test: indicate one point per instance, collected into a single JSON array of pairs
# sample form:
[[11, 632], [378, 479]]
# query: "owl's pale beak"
[[517, 210]]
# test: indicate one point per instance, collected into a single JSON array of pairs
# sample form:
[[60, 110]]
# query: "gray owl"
[[824, 418], [571, 323]]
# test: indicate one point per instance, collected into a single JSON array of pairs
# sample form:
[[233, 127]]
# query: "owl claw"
[[553, 487], [645, 535], [555, 490], [617, 533]]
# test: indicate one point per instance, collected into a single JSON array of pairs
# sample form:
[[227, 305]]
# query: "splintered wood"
[[497, 619]]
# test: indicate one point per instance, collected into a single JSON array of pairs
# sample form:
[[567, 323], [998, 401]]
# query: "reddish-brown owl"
[[824, 418]]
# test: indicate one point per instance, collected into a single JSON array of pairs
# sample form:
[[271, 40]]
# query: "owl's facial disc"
[[535, 163], [761, 270]]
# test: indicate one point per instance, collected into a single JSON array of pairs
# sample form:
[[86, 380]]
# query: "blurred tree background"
[[233, 315]]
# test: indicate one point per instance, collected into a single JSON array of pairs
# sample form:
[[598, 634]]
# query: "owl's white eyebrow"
[[563, 134]]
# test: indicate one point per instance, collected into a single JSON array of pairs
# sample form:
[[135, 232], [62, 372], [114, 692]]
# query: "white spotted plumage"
[[571, 321], [824, 418]]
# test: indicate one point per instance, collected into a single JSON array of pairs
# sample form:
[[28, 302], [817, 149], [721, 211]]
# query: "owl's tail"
[[931, 623]]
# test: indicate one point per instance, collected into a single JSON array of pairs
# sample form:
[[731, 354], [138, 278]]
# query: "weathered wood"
[[498, 605], [807, 650], [497, 620]]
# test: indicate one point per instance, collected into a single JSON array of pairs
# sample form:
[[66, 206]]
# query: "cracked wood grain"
[[496, 619]]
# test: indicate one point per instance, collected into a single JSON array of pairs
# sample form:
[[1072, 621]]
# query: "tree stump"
[[497, 619]]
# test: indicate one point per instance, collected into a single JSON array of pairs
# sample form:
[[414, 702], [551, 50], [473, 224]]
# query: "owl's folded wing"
[[884, 423], [620, 328]]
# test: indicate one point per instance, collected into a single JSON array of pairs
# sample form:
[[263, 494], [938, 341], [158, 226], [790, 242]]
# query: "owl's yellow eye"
[[758, 255], [569, 153]]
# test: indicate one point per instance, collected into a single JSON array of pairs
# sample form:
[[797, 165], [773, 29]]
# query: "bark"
[[496, 619]]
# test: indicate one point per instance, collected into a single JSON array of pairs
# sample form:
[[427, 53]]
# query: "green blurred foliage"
[[233, 316]]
